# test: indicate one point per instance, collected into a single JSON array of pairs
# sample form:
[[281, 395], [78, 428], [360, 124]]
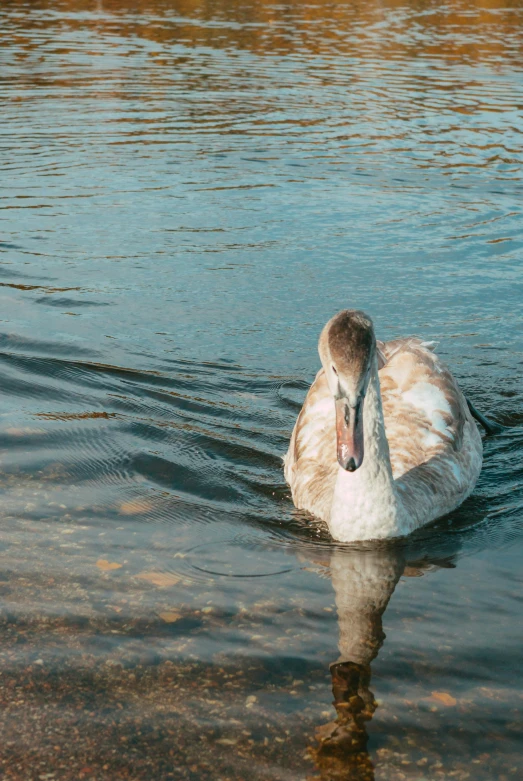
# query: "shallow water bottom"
[[120, 669]]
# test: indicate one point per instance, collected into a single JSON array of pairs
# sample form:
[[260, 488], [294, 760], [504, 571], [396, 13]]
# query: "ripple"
[[202, 187], [256, 559]]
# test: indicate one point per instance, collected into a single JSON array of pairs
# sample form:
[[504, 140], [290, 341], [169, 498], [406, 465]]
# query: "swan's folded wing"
[[310, 463], [424, 409]]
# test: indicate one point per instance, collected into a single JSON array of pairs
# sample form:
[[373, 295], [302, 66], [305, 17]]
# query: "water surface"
[[189, 191]]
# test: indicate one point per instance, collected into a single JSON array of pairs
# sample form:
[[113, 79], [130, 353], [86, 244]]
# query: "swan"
[[385, 441]]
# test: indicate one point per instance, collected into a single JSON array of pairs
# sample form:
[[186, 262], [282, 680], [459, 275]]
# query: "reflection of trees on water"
[[462, 31], [363, 583]]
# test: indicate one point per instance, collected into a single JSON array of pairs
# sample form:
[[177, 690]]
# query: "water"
[[189, 191]]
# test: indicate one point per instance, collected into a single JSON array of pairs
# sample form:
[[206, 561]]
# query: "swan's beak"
[[349, 433]]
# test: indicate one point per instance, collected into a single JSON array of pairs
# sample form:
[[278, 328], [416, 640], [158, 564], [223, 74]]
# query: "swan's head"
[[347, 350]]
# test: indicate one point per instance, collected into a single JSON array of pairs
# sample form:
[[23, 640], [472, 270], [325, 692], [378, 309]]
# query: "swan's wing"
[[310, 462], [426, 414]]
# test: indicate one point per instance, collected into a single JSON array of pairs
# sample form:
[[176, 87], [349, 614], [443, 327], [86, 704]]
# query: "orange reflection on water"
[[458, 31]]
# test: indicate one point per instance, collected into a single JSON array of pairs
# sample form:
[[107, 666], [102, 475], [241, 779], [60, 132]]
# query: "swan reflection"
[[363, 582]]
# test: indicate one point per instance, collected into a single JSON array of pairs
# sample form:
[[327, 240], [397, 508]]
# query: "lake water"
[[189, 191]]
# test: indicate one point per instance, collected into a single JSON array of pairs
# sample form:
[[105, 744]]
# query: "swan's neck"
[[365, 504]]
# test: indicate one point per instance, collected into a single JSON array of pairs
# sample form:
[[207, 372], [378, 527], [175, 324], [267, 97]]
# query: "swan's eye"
[[334, 370]]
